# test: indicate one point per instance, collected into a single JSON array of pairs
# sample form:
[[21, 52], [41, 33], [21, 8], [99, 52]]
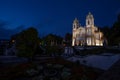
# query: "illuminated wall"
[[88, 35]]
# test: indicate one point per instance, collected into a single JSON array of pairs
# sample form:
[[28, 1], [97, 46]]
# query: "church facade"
[[88, 35]]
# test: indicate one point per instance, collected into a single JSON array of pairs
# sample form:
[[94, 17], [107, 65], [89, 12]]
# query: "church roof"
[[76, 20], [90, 16]]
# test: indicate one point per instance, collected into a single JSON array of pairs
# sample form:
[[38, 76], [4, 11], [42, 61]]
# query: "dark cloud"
[[7, 33], [3, 24], [19, 28]]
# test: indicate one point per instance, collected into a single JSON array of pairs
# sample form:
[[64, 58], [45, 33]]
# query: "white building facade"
[[88, 35]]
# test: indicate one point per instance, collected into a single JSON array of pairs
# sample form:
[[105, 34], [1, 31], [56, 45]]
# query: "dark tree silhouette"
[[26, 42], [112, 33], [68, 39]]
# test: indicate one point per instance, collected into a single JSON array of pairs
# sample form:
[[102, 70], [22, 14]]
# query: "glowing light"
[[13, 41]]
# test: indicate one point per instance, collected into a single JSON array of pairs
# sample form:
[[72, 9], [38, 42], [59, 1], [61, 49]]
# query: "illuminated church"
[[88, 35]]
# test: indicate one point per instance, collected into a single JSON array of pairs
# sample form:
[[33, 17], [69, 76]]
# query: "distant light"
[[13, 41]]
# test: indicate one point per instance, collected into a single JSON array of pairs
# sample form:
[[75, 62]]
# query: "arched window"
[[88, 22], [73, 26]]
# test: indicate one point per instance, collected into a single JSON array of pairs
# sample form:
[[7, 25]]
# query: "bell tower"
[[90, 29], [75, 24], [75, 28], [89, 20]]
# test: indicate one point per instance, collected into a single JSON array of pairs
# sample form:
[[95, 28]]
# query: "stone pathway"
[[113, 73]]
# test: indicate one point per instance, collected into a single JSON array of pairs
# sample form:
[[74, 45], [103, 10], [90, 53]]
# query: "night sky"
[[53, 16]]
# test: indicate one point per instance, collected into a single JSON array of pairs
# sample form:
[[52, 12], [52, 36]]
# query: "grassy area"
[[12, 72], [66, 70]]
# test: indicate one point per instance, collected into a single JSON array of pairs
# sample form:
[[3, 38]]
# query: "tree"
[[112, 33], [115, 31], [68, 39], [26, 42], [52, 40], [118, 18], [106, 31], [53, 44]]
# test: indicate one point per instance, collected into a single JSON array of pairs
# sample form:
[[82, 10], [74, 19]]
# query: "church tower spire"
[[76, 24], [89, 20]]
